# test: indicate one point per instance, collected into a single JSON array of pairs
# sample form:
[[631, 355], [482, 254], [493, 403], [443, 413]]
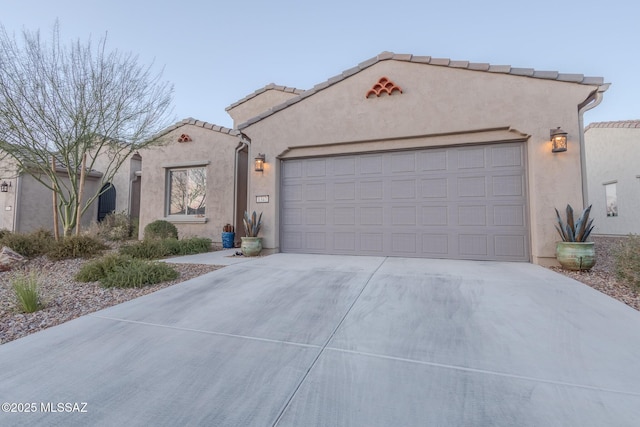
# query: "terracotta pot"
[[576, 255], [251, 246]]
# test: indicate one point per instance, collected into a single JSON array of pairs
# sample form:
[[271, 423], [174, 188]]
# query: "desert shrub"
[[627, 260], [156, 249], [145, 249], [76, 247], [160, 229], [137, 273], [26, 290], [29, 245], [194, 245], [100, 268], [115, 227]]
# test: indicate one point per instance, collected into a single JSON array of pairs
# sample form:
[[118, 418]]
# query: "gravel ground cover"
[[602, 276], [66, 299]]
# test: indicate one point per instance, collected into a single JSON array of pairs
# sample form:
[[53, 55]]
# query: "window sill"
[[186, 219]]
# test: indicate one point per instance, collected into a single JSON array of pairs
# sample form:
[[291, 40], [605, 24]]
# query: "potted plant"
[[251, 243], [574, 252], [228, 236]]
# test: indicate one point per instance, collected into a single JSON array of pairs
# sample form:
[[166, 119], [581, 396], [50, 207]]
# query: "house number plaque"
[[262, 199]]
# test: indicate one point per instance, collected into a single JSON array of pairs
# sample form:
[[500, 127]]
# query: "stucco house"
[[27, 205], [400, 155], [423, 157], [613, 170]]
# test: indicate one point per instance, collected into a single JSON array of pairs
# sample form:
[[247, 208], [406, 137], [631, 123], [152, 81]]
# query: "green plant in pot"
[[574, 252], [251, 244]]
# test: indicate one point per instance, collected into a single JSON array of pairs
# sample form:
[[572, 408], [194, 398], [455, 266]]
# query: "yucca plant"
[[251, 224], [577, 231]]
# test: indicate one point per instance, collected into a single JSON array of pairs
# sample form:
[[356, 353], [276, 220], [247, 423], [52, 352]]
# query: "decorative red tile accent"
[[184, 138], [383, 85]]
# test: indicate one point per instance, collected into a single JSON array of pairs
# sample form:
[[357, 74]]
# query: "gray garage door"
[[458, 202]]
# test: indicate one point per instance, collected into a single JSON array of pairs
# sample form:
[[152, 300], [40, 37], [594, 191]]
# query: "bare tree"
[[65, 104]]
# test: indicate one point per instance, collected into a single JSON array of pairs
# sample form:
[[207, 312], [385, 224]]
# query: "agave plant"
[[251, 224], [577, 231]]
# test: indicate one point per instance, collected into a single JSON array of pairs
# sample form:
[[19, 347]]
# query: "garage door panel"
[[509, 215], [344, 166], [507, 156], [507, 185], [472, 186], [512, 246], [433, 160], [434, 215], [458, 202], [434, 188], [471, 158], [403, 189]]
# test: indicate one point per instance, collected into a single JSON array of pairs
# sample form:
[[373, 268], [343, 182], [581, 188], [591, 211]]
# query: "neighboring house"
[[613, 171], [27, 205]]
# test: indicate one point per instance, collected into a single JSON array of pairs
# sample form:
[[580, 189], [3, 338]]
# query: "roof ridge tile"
[[615, 124], [270, 86]]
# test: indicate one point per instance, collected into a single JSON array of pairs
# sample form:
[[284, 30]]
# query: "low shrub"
[[29, 245], [156, 249], [115, 227], [194, 245], [76, 247], [100, 268], [26, 290], [137, 273], [145, 249], [627, 260], [160, 229]]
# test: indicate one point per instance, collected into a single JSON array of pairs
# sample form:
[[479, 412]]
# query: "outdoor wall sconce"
[[260, 162], [558, 140], [4, 187]]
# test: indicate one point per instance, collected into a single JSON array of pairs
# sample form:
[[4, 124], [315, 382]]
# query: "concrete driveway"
[[303, 340]]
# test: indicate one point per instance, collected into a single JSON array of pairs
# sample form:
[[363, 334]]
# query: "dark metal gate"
[[106, 201]]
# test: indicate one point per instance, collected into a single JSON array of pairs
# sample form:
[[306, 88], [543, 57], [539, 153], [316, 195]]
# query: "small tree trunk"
[[56, 233], [80, 191]]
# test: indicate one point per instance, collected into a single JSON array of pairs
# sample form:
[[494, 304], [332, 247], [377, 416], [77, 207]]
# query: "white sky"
[[216, 52]]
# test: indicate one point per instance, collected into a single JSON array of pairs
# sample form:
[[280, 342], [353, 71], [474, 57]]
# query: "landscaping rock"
[[10, 259]]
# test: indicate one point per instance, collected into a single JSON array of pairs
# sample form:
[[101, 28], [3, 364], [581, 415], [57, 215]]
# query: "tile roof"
[[206, 125], [445, 62], [616, 124], [270, 86]]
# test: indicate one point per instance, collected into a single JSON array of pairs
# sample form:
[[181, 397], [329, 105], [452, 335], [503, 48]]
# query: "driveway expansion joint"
[[315, 360], [483, 371], [201, 331]]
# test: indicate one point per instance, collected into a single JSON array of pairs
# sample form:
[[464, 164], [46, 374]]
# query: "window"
[[187, 191], [611, 199]]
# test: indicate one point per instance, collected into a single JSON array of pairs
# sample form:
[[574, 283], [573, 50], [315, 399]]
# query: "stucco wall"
[[613, 156], [35, 204], [435, 101], [211, 149], [258, 104], [8, 174]]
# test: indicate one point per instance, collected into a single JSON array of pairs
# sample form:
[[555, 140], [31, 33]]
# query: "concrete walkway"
[[302, 340]]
